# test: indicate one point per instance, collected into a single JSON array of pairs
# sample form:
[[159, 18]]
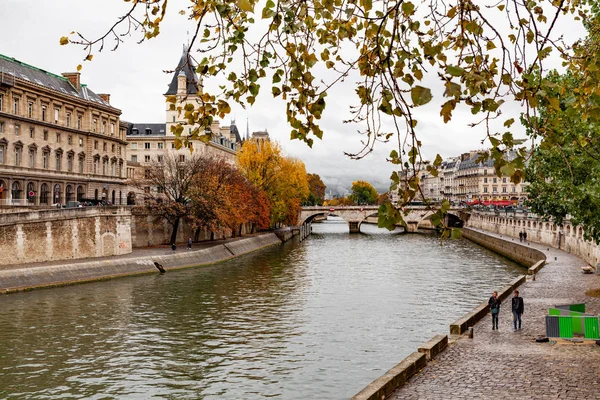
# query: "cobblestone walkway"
[[505, 364]]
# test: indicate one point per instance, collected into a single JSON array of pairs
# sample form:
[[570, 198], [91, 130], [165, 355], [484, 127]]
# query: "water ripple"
[[319, 319]]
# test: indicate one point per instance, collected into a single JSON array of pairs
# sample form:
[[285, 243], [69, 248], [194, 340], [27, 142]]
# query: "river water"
[[313, 320]]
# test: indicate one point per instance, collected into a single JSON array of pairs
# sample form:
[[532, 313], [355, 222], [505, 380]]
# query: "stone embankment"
[[507, 364], [140, 261]]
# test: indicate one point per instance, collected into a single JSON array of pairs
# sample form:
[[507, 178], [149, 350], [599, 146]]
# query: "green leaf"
[[455, 71], [420, 95]]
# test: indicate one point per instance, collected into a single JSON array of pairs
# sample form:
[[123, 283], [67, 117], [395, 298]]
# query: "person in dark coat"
[[517, 308], [520, 236], [524, 236], [494, 304]]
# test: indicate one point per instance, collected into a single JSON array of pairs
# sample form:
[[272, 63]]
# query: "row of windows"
[[32, 135], [159, 158], [495, 189], [44, 115], [113, 168], [148, 146]]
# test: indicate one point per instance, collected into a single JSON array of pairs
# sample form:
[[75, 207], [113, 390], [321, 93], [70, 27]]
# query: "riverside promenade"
[[505, 364]]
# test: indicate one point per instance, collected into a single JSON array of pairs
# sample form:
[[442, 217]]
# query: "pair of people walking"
[[517, 309], [522, 236]]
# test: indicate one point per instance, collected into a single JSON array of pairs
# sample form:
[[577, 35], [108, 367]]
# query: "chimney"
[[74, 78], [105, 97]]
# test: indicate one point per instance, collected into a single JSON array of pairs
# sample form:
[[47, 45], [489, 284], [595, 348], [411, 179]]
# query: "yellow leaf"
[[64, 40], [554, 103], [245, 5], [79, 67]]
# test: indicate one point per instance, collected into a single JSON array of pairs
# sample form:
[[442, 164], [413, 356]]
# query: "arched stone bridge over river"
[[418, 216]]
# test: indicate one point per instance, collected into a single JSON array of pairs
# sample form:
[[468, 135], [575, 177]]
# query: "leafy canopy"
[[401, 54]]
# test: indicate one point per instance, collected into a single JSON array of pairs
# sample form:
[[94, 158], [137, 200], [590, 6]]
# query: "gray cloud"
[[134, 76]]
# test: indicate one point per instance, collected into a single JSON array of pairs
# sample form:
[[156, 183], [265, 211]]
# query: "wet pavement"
[[505, 364]]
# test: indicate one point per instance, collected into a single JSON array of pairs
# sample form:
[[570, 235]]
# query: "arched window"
[[120, 197], [130, 199], [16, 192], [57, 195], [96, 194], [31, 195], [3, 189], [44, 194], [69, 190], [80, 193], [113, 198]]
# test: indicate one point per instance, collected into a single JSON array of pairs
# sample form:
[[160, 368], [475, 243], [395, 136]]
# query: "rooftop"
[[35, 75]]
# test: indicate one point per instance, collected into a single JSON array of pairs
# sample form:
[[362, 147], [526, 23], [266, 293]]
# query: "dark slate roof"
[[145, 130], [186, 64], [47, 79], [233, 129], [472, 162]]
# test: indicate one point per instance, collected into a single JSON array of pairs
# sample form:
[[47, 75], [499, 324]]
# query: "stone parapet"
[[434, 346], [381, 387], [64, 234], [517, 252], [568, 237]]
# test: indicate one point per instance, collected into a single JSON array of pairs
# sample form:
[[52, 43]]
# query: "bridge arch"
[[355, 215]]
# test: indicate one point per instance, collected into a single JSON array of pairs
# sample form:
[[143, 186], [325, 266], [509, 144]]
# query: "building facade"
[[149, 142], [59, 141]]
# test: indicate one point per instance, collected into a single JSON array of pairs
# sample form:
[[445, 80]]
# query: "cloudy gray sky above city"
[[134, 76]]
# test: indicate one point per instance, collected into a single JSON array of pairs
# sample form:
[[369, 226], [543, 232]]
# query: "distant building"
[[261, 136], [465, 179], [149, 141], [477, 181], [59, 140]]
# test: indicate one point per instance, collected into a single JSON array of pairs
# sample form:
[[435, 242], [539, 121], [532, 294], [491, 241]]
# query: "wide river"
[[313, 320]]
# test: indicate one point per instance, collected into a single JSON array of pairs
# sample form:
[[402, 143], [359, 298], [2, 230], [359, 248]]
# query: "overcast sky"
[[133, 75]]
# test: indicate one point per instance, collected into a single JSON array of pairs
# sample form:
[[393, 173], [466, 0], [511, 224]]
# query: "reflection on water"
[[318, 319]]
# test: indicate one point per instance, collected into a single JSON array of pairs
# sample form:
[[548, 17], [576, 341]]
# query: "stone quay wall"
[[26, 278], [568, 237], [515, 251], [63, 234], [148, 230]]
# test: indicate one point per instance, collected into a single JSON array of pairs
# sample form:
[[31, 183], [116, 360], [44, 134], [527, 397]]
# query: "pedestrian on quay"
[[520, 236], [524, 236], [189, 244], [517, 308], [494, 304]]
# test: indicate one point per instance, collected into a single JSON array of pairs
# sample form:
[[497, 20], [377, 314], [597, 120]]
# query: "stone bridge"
[[418, 216]]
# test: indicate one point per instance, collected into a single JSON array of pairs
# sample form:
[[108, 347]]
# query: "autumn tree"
[[363, 193], [223, 198], [283, 179], [166, 187], [477, 56], [316, 188]]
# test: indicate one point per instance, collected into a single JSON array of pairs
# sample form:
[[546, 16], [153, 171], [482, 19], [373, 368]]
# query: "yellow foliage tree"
[[283, 179]]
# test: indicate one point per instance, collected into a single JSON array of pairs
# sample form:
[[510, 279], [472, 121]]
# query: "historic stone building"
[[59, 141], [150, 141], [476, 181]]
